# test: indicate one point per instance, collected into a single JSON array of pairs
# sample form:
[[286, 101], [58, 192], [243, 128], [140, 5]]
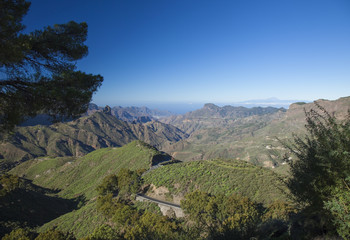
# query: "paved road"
[[158, 201]]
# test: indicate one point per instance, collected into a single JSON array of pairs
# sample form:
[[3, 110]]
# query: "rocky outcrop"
[[167, 208]]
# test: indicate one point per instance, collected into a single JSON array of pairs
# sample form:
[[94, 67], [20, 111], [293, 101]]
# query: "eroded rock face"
[[160, 193], [171, 211]]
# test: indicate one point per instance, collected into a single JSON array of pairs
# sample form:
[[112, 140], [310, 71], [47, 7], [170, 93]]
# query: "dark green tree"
[[202, 208], [125, 214], [240, 217], [221, 217], [106, 204], [152, 226], [108, 185], [129, 182], [37, 70], [280, 211], [54, 234], [339, 207], [320, 176], [104, 232], [20, 233], [8, 183]]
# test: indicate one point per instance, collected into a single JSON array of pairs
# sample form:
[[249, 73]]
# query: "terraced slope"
[[81, 176], [77, 178], [217, 177]]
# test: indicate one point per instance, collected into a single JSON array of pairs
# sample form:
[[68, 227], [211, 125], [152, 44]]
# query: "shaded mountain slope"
[[133, 113], [128, 114], [79, 137]]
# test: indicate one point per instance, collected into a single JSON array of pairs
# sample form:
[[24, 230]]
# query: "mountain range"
[[59, 166], [130, 114], [210, 132], [248, 134], [81, 136]]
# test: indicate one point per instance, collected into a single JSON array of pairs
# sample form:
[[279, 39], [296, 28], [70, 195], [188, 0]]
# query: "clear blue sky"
[[153, 51]]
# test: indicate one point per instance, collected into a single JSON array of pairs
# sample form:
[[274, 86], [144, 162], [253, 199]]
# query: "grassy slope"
[[220, 177], [81, 176], [29, 205], [81, 222], [84, 220]]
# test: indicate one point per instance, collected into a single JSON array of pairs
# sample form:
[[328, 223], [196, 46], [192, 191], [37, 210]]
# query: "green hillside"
[[81, 222], [80, 176], [77, 178], [219, 177]]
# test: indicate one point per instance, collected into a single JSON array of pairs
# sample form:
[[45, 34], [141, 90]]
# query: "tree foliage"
[[125, 183], [222, 217], [20, 234], [152, 226], [37, 70], [279, 210], [128, 181], [104, 232], [108, 185], [339, 207], [27, 234], [8, 183], [320, 176], [54, 234]]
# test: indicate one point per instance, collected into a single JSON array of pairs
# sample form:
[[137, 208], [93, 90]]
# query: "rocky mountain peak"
[[210, 106]]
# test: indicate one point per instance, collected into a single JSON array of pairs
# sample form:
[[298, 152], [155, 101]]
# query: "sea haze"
[[184, 107]]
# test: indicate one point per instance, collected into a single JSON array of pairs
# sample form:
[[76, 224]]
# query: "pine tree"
[[37, 70]]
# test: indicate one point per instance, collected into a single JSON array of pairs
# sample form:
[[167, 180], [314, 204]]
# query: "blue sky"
[[196, 51]]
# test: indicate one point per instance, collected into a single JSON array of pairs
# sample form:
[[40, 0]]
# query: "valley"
[[220, 151], [241, 133]]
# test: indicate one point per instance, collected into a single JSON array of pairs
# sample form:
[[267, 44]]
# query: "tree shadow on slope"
[[27, 205]]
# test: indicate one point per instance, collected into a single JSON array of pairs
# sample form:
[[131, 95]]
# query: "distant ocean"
[[183, 107]]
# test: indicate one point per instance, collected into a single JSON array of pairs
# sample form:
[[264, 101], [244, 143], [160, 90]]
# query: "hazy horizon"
[[183, 107]]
